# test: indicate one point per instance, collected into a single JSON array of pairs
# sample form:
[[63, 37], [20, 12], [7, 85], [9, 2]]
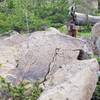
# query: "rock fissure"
[[49, 66]]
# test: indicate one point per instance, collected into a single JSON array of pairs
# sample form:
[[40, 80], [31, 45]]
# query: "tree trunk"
[[83, 19]]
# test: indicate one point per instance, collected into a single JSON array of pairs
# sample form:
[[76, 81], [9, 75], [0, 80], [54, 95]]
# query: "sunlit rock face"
[[96, 30], [74, 81], [62, 64], [96, 38]]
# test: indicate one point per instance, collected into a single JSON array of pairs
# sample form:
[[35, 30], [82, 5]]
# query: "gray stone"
[[74, 81], [96, 30], [96, 38], [48, 55], [98, 45]]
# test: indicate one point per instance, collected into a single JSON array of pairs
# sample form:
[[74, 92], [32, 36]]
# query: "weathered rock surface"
[[52, 59], [98, 46], [96, 30], [75, 81], [96, 38], [84, 19]]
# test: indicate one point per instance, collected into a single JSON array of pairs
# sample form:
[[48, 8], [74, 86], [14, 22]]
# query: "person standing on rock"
[[72, 22]]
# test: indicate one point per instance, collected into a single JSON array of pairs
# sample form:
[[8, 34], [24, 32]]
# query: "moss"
[[1, 65]]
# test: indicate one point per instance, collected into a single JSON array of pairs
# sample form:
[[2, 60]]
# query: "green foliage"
[[85, 34], [4, 24], [86, 28], [85, 31], [98, 59], [22, 91], [63, 29], [32, 14]]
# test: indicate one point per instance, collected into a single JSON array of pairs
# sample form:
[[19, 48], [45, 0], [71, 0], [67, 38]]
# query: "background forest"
[[32, 15]]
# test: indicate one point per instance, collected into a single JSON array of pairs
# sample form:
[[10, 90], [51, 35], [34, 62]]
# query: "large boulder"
[[96, 30], [51, 58], [98, 46], [74, 81], [39, 51], [96, 38]]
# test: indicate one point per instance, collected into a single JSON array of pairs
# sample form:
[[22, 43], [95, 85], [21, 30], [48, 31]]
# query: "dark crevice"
[[49, 66], [83, 55]]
